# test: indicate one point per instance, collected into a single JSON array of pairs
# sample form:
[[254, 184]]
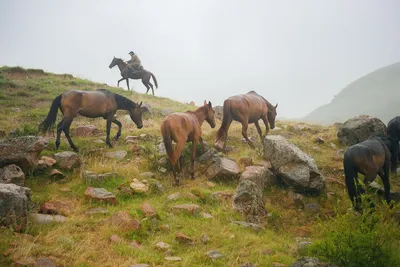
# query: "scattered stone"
[[148, 210], [214, 254], [222, 195], [46, 162], [99, 141], [178, 195], [46, 218], [96, 211], [44, 262], [360, 128], [22, 151], [166, 111], [56, 207], [163, 246], [257, 228], [182, 238], [133, 138], [208, 155], [174, 258], [222, 169], [161, 149], [91, 177], [16, 109], [14, 204], [67, 160], [119, 154], [311, 262], [138, 187], [206, 215], [204, 239], [100, 194], [124, 221], [147, 175], [295, 167], [115, 239], [135, 244], [12, 174], [56, 174], [246, 161], [189, 208], [86, 131]]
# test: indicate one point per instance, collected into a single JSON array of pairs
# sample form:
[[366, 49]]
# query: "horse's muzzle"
[[139, 126]]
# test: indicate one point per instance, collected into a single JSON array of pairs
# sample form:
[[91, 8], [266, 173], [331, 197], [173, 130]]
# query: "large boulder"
[[14, 205], [12, 174], [67, 160], [222, 169], [359, 128], [22, 151], [296, 168]]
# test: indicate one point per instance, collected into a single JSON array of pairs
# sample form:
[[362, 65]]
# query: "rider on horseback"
[[134, 63]]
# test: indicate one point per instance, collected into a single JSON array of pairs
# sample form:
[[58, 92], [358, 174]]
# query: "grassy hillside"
[[376, 94], [84, 240]]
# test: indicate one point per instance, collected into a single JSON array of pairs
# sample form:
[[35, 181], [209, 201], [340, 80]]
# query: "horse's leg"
[[119, 81], [385, 180], [203, 149], [245, 125], [59, 130], [370, 177], [152, 89], [108, 129], [178, 151], [119, 128], [259, 130], [194, 145], [146, 84], [265, 120], [67, 124], [127, 83]]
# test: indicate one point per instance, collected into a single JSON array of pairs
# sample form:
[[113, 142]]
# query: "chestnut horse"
[[138, 74], [183, 127], [91, 104], [246, 108]]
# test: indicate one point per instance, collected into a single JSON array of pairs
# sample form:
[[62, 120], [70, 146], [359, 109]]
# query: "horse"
[[246, 108], [370, 158], [91, 104], [138, 74], [183, 127], [393, 132]]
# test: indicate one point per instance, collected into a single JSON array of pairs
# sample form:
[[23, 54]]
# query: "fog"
[[297, 53]]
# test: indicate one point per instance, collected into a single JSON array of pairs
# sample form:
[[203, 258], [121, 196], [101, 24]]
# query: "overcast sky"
[[297, 53]]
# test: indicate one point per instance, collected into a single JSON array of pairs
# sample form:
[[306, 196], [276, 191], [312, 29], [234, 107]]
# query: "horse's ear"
[[140, 104], [276, 105], [209, 104], [205, 103]]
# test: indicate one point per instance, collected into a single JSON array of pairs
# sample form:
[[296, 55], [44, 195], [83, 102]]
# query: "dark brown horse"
[[393, 132], [370, 158], [182, 128], [91, 104], [138, 74], [246, 108]]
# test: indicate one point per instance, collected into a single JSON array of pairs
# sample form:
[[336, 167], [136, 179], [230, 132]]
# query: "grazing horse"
[[183, 127], [393, 132], [370, 158], [91, 104], [138, 74], [246, 108]]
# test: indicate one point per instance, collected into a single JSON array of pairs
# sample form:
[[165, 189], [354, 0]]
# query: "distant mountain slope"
[[376, 94]]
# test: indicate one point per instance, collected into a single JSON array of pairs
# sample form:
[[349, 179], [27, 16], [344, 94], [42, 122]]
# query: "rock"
[[218, 112], [214, 254], [67, 160], [46, 218], [222, 195], [86, 131], [172, 258], [166, 111], [161, 149], [22, 151], [119, 154], [100, 194], [157, 187], [135, 244], [56, 174], [124, 221], [189, 208], [162, 246], [260, 175], [395, 196], [222, 169], [319, 140], [145, 137], [12, 174], [138, 187], [178, 195], [311, 262], [148, 210], [115, 239], [295, 167], [246, 161], [257, 228], [360, 128], [147, 175], [99, 141], [132, 139], [14, 205], [44, 262], [204, 239], [182, 238], [333, 145], [96, 211], [147, 108], [56, 207], [208, 155], [16, 109], [206, 215], [91, 177], [46, 162]]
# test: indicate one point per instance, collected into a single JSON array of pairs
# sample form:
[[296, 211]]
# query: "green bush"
[[370, 239]]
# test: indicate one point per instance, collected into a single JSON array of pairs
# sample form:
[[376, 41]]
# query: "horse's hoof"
[[116, 137], [110, 145]]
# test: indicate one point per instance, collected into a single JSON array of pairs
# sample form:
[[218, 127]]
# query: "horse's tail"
[[222, 131], [154, 79], [350, 173], [166, 134], [51, 116]]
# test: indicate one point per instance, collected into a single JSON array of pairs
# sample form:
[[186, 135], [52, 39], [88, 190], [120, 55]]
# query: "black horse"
[[370, 158], [393, 132]]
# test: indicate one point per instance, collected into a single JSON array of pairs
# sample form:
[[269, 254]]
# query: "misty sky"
[[297, 53]]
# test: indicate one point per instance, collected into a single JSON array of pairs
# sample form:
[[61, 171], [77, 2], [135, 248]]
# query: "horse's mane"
[[269, 105], [122, 102]]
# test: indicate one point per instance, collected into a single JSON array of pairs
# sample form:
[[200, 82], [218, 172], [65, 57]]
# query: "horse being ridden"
[[245, 108], [182, 128], [393, 132], [91, 104], [136, 75], [370, 158]]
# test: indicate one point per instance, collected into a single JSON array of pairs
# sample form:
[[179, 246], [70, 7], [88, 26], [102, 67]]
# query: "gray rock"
[[260, 175], [222, 169], [255, 227], [14, 205], [67, 160], [119, 154], [161, 149], [311, 262], [208, 155], [46, 218], [91, 177], [22, 151], [12, 174], [147, 175], [166, 111], [96, 211], [218, 112], [100, 194], [147, 108], [360, 128], [214, 254], [295, 167], [188, 208], [162, 246]]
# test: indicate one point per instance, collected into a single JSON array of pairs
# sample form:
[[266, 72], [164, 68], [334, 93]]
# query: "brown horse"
[[91, 104], [182, 128], [246, 108], [138, 74]]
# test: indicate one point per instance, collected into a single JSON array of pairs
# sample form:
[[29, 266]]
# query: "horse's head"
[[115, 62], [210, 114], [272, 115], [136, 115]]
